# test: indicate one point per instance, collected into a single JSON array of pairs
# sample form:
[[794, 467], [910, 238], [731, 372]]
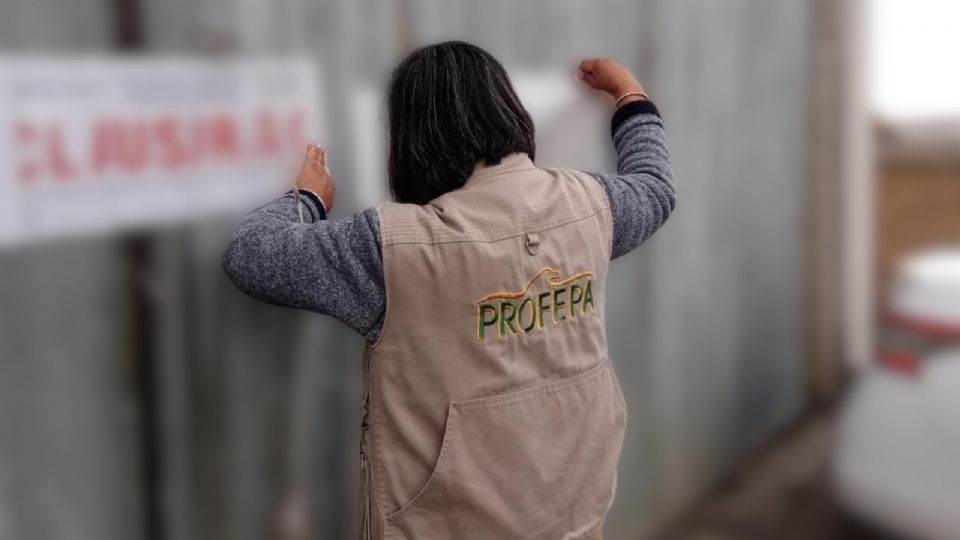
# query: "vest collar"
[[511, 163]]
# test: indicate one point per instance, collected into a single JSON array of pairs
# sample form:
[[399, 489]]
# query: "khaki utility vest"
[[492, 411]]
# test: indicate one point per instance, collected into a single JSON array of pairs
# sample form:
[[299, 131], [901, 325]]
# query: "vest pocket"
[[539, 463]]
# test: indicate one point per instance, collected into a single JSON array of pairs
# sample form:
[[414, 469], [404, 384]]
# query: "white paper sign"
[[100, 144]]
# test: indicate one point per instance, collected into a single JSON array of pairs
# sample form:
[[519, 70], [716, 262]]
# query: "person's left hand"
[[315, 175]]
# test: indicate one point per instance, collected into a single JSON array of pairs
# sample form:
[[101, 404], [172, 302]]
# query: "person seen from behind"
[[492, 409]]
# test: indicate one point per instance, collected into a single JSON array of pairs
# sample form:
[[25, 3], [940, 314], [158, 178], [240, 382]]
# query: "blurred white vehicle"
[[897, 460]]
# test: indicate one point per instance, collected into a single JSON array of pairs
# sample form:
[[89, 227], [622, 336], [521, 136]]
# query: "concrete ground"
[[782, 495]]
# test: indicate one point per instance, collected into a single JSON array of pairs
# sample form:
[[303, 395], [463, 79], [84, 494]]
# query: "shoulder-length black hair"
[[451, 106]]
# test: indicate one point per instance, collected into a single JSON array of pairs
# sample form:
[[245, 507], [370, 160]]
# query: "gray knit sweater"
[[336, 267]]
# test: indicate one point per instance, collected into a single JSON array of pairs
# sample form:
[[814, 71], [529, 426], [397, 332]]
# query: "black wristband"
[[321, 209], [628, 111], [317, 204]]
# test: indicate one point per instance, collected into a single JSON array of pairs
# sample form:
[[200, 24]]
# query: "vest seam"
[[404, 233], [596, 190], [596, 211], [386, 287], [596, 201], [608, 217], [381, 484], [475, 179], [379, 491], [531, 392]]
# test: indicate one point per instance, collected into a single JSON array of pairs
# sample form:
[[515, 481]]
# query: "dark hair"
[[451, 106]]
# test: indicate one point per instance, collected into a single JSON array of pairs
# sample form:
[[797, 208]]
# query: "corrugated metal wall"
[[721, 288], [257, 407], [68, 417]]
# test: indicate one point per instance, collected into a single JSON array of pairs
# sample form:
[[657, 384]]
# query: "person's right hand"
[[610, 76], [315, 175]]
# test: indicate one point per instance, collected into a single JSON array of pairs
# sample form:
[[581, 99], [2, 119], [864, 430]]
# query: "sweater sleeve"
[[641, 194], [329, 267]]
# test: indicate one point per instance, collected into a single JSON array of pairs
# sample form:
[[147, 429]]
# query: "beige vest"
[[492, 410]]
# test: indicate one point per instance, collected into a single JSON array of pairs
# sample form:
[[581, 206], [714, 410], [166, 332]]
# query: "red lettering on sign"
[[103, 145], [268, 133], [172, 150], [297, 128], [26, 137], [223, 138], [59, 162], [167, 142]]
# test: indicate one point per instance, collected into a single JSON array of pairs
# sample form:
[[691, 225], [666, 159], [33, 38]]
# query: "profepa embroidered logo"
[[522, 312]]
